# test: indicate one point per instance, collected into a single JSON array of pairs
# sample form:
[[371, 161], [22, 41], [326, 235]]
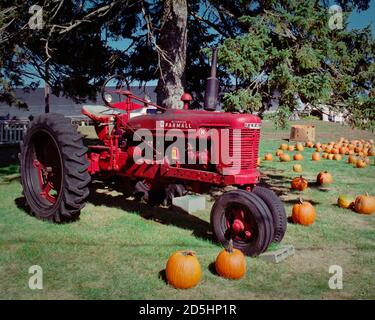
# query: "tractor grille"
[[245, 147]]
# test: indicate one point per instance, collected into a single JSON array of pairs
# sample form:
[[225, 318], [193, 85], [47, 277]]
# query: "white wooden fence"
[[12, 131]]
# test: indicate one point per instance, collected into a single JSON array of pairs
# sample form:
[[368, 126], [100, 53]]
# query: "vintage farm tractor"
[[56, 167]]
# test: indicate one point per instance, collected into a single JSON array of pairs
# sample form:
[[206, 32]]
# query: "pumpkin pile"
[[358, 151], [362, 204]]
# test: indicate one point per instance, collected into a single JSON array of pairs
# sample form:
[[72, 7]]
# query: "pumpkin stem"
[[188, 253], [230, 246], [300, 200]]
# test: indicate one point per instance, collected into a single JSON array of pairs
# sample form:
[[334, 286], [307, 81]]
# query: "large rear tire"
[[243, 217], [277, 210], [54, 172]]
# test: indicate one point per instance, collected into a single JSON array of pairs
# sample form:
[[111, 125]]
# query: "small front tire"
[[243, 217]]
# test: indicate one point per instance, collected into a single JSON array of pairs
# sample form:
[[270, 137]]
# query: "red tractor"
[[56, 167]]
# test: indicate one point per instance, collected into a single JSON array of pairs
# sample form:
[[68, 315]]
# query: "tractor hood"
[[194, 119]]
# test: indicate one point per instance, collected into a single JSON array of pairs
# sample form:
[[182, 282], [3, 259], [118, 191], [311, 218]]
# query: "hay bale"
[[302, 133]]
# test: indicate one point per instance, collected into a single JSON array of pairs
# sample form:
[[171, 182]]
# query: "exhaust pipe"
[[212, 85]]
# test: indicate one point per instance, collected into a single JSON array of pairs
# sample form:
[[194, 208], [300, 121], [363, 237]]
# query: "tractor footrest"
[[278, 255]]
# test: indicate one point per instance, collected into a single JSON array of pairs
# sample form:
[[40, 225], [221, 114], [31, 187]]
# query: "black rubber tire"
[[258, 210], [74, 178], [277, 210]]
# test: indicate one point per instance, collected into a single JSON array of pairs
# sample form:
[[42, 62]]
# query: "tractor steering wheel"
[[107, 93]]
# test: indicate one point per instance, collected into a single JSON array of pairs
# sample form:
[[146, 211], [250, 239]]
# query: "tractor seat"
[[100, 113]]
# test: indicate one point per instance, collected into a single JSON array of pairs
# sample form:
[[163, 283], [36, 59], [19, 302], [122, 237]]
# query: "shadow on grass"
[[212, 268], [21, 204], [163, 276], [290, 220], [295, 201], [167, 216], [275, 182]]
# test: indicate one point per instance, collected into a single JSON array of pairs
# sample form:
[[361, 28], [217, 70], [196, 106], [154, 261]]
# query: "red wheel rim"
[[45, 178], [44, 169], [238, 222]]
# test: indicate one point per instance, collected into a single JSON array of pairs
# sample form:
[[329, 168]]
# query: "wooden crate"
[[302, 133]]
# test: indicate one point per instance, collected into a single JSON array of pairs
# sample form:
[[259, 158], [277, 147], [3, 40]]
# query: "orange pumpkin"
[[303, 213], [360, 164], [183, 270], [324, 178], [331, 156], [291, 148], [352, 159], [358, 149], [284, 157], [345, 201], [315, 156], [309, 144], [299, 183], [337, 157], [268, 157], [364, 204], [279, 152], [284, 146], [231, 263], [298, 157], [342, 150], [297, 168], [299, 146]]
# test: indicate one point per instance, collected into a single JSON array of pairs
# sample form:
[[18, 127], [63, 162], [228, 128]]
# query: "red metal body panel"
[[117, 159]]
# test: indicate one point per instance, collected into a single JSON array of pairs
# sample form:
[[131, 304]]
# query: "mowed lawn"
[[118, 248]]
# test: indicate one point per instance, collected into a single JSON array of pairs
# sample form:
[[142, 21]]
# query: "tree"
[[266, 48], [288, 47], [68, 53], [172, 43]]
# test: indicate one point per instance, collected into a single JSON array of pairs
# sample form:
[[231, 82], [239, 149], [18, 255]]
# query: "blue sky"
[[358, 20]]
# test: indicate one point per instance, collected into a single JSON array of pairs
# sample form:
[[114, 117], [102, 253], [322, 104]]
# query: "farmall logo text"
[[174, 124]]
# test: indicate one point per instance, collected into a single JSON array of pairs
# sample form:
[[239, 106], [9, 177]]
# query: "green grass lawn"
[[118, 248]]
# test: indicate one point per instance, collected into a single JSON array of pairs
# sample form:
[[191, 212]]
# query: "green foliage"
[[243, 99], [289, 48]]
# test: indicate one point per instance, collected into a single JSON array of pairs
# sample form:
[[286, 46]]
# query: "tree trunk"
[[172, 42]]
